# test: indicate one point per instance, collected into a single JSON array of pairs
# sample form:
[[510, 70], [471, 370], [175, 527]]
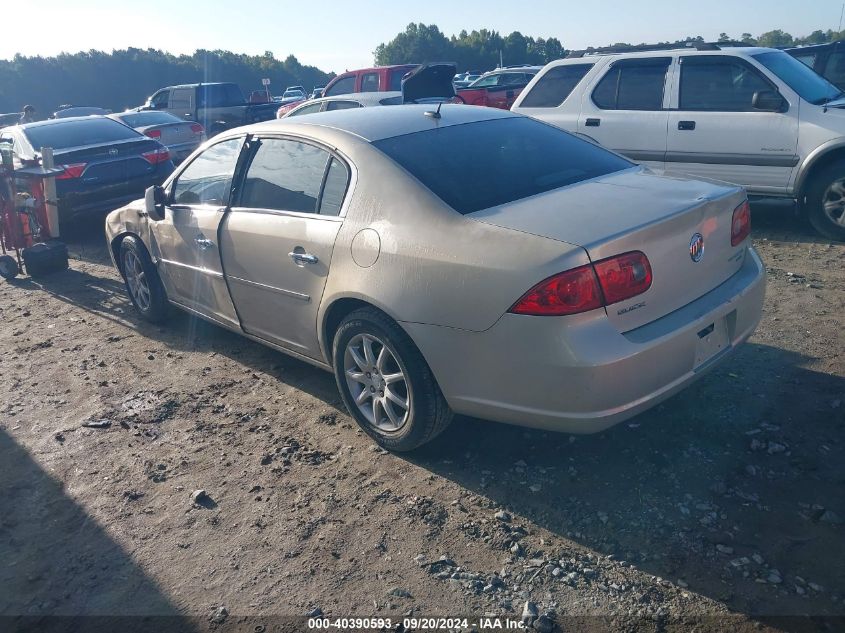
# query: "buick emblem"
[[696, 247]]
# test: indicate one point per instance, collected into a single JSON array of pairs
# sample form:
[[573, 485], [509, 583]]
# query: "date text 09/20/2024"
[[415, 624]]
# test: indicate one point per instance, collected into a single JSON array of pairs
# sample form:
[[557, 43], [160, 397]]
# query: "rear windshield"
[[143, 119], [66, 134], [479, 165]]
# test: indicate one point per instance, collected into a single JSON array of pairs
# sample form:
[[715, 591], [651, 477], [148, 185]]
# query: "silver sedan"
[[452, 259]]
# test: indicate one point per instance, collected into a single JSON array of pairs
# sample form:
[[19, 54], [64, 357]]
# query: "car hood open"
[[429, 82]]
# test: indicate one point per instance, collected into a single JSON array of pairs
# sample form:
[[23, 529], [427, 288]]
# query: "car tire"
[[8, 267], [825, 201], [392, 372], [143, 283]]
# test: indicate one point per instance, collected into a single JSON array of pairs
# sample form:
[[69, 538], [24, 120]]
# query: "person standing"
[[28, 114]]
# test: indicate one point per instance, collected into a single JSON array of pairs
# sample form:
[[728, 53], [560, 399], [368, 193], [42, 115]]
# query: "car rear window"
[[143, 119], [94, 131], [479, 165]]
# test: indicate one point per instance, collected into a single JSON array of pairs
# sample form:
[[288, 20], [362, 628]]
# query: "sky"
[[339, 35]]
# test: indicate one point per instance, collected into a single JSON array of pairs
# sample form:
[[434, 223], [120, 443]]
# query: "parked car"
[[567, 289], [106, 163], [753, 116], [215, 106], [378, 79], [828, 60], [179, 136], [498, 88], [292, 96], [75, 111], [317, 92], [428, 83]]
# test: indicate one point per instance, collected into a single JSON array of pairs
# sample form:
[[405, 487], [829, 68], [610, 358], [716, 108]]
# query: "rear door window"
[[552, 89], [721, 84], [337, 179], [342, 105], [284, 175], [369, 82], [342, 86], [309, 109], [633, 84]]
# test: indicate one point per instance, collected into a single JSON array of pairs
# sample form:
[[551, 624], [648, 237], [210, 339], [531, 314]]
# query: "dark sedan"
[[106, 164]]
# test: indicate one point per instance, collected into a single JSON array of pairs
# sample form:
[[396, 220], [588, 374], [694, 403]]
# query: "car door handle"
[[203, 243], [303, 258], [592, 122], [686, 125]]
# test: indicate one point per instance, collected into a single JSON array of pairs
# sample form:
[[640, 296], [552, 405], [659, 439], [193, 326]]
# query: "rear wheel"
[[142, 280], [8, 267], [385, 383], [825, 201]]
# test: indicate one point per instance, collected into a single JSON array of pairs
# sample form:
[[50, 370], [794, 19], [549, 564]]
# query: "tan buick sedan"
[[466, 260]]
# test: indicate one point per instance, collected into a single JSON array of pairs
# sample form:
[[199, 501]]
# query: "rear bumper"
[[579, 374], [75, 199]]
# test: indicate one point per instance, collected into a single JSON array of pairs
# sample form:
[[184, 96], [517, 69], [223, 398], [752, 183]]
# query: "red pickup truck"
[[498, 88]]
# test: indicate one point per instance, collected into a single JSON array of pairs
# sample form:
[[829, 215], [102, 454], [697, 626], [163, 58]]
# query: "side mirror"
[[154, 202], [768, 101]]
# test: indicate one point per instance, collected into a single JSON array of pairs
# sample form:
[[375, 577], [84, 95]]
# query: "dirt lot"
[[724, 505]]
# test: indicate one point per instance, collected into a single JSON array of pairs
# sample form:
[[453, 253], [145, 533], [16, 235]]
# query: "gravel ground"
[[184, 470]]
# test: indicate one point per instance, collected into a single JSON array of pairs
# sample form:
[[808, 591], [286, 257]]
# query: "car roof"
[[375, 124], [62, 121], [592, 58]]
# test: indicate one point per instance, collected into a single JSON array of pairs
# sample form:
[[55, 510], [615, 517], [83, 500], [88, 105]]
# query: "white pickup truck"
[[751, 116]]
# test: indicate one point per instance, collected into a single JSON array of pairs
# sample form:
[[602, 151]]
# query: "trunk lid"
[[112, 162], [173, 133], [636, 210], [429, 82]]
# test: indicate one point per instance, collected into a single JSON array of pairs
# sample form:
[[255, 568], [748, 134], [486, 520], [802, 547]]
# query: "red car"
[[498, 88]]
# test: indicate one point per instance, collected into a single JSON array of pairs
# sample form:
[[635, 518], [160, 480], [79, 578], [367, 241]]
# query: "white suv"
[[752, 116]]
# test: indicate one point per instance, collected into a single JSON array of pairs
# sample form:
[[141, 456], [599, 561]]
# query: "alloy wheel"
[[833, 202], [377, 382], [136, 279]]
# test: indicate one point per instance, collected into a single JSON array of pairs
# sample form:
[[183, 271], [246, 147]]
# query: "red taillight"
[[71, 171], [740, 223], [588, 287], [196, 128], [156, 156], [153, 133], [571, 292], [623, 276]]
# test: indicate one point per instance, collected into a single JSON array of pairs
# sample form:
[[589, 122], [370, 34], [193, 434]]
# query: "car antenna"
[[435, 114]]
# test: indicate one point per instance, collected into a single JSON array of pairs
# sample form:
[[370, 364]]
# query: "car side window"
[[310, 108], [342, 86], [834, 71], [369, 82], [552, 89], [395, 79], [633, 84], [720, 84], [342, 105], [182, 98], [484, 82], [159, 100], [284, 175], [808, 59], [208, 179], [337, 179]]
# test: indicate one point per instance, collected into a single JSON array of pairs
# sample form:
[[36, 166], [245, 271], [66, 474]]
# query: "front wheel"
[[825, 201], [142, 281], [385, 383]]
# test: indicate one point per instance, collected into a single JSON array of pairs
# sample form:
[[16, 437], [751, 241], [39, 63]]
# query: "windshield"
[[809, 86], [504, 159]]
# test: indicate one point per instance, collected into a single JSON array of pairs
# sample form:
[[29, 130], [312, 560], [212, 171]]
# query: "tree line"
[[482, 50], [125, 78]]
